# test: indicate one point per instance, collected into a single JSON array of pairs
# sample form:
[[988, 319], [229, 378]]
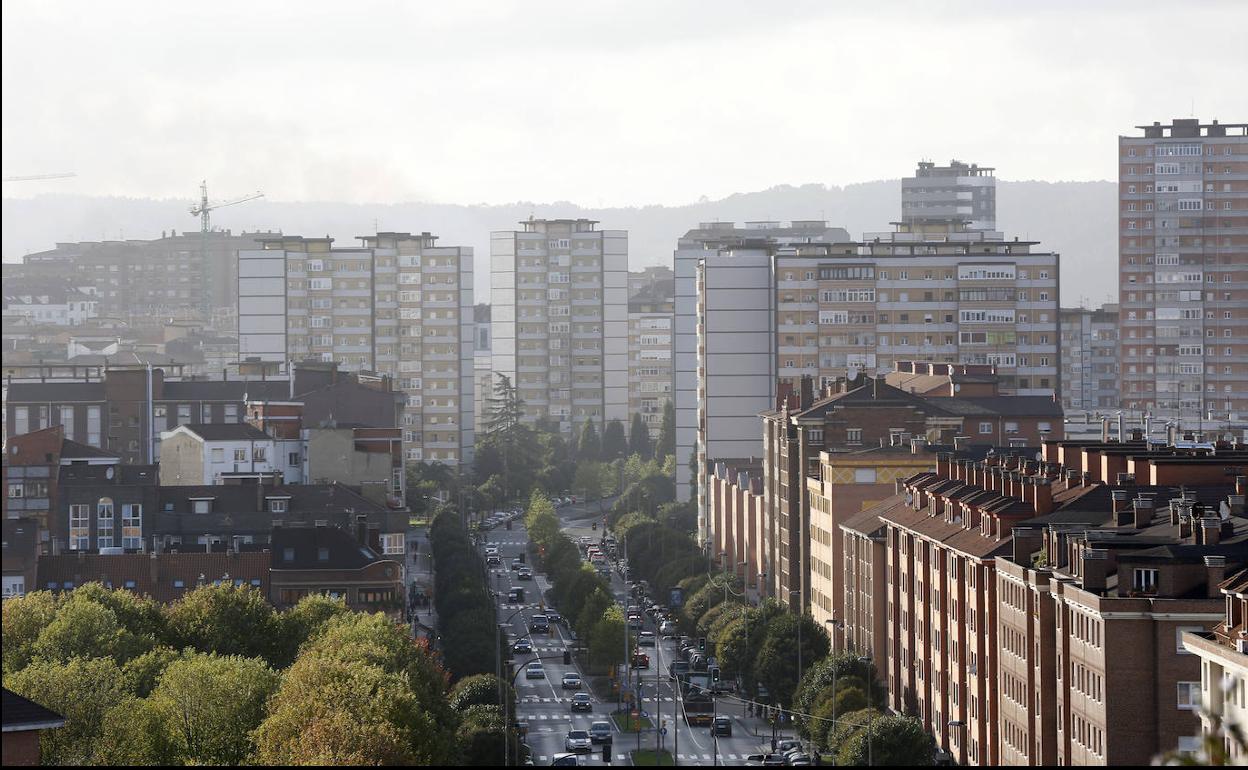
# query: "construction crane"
[[203, 208], [37, 177]]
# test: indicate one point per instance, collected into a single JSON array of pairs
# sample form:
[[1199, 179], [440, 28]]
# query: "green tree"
[[480, 737], [606, 639], [614, 443], [305, 620], [888, 741], [504, 409], [666, 443], [589, 445], [592, 608], [25, 617], [591, 480], [227, 620], [481, 690], [142, 673], [207, 707], [84, 628], [81, 690], [639, 442], [777, 661]]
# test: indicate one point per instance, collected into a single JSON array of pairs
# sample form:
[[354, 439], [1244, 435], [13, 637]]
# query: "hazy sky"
[[601, 103]]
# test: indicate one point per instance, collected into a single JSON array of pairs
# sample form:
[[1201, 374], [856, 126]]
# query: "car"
[[600, 732], [667, 628], [788, 744], [564, 760], [491, 550], [766, 760], [534, 670], [571, 681], [554, 617], [640, 660], [721, 726], [539, 624], [577, 740], [645, 639], [524, 574], [515, 595], [493, 561], [581, 702], [634, 622], [798, 759], [522, 647], [516, 564]]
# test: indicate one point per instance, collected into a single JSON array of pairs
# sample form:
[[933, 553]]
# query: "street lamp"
[[866, 660], [961, 725], [800, 618]]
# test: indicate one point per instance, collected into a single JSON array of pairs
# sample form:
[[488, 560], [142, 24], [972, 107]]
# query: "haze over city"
[[625, 383]]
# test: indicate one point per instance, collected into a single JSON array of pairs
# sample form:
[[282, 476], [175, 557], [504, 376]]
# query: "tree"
[[481, 733], [606, 639], [227, 620], [776, 663], [639, 438], [81, 690], [592, 480], [305, 621], [614, 444], [893, 741], [666, 443], [84, 628], [142, 673], [206, 707], [504, 409], [480, 690], [25, 617], [589, 446]]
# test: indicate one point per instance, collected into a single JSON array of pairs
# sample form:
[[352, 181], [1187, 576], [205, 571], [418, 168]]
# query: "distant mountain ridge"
[[1076, 219]]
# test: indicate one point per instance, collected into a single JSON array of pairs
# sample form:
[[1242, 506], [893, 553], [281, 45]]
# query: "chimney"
[[1027, 540], [153, 568], [1095, 569], [1143, 512], [1086, 479], [942, 465], [1072, 479], [960, 442], [1043, 496], [917, 444], [1122, 508], [1241, 485], [1126, 479], [361, 528], [808, 391], [1210, 530], [1217, 573]]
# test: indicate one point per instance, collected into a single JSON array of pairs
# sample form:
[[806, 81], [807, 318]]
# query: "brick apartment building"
[[127, 409], [296, 562], [741, 541], [1035, 608], [1223, 653], [865, 411]]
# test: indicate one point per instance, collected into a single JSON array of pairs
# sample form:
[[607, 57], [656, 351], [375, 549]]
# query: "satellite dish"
[[108, 472]]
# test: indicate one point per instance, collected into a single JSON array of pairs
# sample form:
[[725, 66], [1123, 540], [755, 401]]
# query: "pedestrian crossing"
[[705, 757], [533, 699]]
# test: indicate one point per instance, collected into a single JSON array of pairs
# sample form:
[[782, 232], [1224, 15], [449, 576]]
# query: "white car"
[[577, 740], [571, 681]]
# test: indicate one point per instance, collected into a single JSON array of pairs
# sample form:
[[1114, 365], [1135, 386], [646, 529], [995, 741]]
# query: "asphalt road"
[[546, 706]]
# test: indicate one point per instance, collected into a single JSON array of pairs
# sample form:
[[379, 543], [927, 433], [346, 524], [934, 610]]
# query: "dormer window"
[[201, 504], [322, 554], [1144, 580], [288, 554], [278, 504]]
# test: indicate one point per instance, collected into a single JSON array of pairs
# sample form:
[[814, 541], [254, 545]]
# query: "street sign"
[[662, 731]]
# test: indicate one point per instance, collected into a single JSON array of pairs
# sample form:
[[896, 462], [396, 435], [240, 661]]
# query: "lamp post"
[[801, 616], [837, 624], [866, 660], [961, 725]]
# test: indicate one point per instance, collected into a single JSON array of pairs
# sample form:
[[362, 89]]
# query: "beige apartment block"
[[398, 305], [650, 377], [559, 319], [1183, 271]]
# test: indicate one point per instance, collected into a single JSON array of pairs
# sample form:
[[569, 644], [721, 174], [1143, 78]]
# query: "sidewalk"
[[419, 571]]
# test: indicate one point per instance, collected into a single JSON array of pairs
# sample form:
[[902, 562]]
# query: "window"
[[864, 475], [201, 506], [1144, 580], [288, 554], [218, 455], [1189, 696], [392, 544], [322, 554], [131, 525], [293, 459], [985, 428], [16, 490], [278, 504], [79, 527], [853, 435], [240, 454]]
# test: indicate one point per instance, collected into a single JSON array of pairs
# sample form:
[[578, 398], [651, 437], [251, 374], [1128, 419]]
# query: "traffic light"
[[701, 642]]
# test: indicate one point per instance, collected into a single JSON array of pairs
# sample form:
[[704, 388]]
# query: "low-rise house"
[[23, 722]]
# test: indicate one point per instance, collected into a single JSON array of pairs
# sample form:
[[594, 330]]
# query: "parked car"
[[534, 670], [571, 681], [600, 732], [722, 726], [645, 639], [581, 702], [577, 740]]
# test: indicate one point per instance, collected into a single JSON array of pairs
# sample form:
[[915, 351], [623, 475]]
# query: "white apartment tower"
[[559, 319], [397, 305]]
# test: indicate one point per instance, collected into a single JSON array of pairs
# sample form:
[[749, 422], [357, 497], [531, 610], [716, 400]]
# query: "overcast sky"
[[600, 103]]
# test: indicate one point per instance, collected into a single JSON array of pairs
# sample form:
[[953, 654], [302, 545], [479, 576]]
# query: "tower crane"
[[203, 208], [36, 177]]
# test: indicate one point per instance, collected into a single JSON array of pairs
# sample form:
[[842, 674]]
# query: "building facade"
[[960, 193], [1223, 654], [650, 376], [559, 319], [1089, 358], [1183, 270], [398, 305]]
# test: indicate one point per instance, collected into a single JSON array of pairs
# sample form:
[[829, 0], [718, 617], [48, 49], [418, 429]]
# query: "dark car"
[[522, 646], [722, 726], [493, 561], [516, 564], [581, 702]]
